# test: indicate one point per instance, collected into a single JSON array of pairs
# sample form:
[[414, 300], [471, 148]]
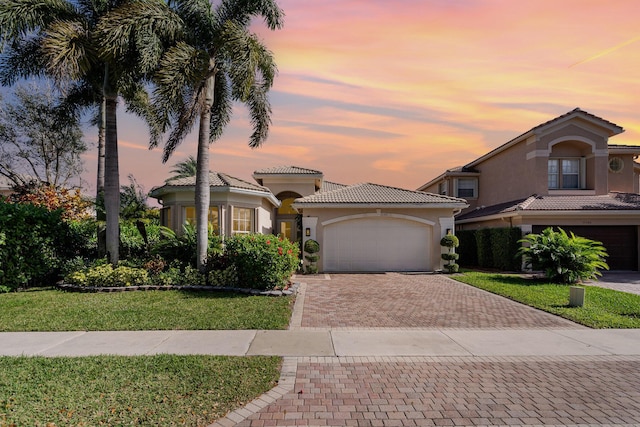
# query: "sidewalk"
[[350, 342]]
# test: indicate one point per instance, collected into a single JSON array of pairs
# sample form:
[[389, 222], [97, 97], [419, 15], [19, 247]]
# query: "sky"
[[396, 92]]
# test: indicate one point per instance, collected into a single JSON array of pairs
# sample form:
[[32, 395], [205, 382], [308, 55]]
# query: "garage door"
[[621, 242], [376, 244]]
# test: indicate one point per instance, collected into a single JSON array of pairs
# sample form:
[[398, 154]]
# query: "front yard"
[[161, 390], [52, 310], [604, 308]]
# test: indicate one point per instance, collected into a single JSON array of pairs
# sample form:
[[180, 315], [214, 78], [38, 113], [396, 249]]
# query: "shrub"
[[311, 247], [182, 248], [35, 244], [450, 242], [564, 258], [262, 261], [107, 276], [468, 250]]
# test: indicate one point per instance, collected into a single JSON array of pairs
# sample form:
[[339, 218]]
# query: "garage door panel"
[[376, 244]]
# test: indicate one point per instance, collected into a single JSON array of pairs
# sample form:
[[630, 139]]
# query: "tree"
[[63, 39], [39, 140], [215, 60], [185, 168]]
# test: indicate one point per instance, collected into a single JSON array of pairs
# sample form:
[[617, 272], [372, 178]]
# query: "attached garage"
[[376, 228], [377, 244], [620, 241]]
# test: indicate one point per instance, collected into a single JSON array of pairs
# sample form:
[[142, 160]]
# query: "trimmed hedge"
[[494, 248], [34, 244]]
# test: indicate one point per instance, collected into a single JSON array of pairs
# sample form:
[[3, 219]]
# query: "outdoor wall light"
[[307, 232]]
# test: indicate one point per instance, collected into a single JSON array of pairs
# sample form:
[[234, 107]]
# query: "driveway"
[[393, 391], [625, 281], [395, 300]]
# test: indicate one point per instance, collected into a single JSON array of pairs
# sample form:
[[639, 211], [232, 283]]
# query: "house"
[[363, 227], [6, 186], [562, 173]]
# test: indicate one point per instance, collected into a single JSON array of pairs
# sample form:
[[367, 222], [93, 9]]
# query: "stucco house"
[[361, 228], [561, 173]]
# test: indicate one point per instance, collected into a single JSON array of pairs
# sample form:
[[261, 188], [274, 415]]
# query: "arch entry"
[[287, 223]]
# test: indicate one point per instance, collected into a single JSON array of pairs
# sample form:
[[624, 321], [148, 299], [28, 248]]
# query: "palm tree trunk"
[[202, 178], [101, 136], [100, 212], [112, 175]]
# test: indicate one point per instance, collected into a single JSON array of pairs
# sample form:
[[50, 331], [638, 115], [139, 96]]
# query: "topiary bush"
[[564, 258], [311, 247], [450, 242], [262, 262]]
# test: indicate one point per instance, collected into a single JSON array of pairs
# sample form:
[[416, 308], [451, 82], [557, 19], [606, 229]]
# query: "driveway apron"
[[531, 390]]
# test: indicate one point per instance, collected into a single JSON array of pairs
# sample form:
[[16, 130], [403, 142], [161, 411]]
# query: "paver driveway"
[[414, 301], [433, 391]]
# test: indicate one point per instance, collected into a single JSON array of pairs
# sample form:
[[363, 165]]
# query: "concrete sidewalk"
[[351, 342]]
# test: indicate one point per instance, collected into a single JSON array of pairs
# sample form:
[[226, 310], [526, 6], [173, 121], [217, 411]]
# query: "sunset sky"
[[395, 92]]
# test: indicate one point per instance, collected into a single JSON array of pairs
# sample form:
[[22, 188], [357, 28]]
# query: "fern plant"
[[564, 258]]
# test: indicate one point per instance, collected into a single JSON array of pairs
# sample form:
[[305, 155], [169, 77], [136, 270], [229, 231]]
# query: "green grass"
[[159, 390], [603, 308], [53, 310]]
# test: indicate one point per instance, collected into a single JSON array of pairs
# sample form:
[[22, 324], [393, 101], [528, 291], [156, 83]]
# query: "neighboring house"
[[561, 173], [362, 227]]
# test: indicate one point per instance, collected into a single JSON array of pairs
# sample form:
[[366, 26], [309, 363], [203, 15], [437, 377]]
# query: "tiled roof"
[[577, 111], [615, 129], [216, 179], [287, 170], [367, 193], [331, 186], [607, 202]]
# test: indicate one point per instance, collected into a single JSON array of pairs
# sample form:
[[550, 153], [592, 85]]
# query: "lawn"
[[604, 308], [159, 390], [53, 310]]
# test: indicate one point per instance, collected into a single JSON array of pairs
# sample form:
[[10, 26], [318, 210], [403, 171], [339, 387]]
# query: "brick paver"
[[414, 301], [459, 391]]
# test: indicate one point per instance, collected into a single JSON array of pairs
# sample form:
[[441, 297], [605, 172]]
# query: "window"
[[564, 174], [616, 164], [242, 220], [467, 188], [190, 217]]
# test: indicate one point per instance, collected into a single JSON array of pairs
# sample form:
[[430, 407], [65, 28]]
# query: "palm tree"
[[216, 61], [185, 168], [63, 39]]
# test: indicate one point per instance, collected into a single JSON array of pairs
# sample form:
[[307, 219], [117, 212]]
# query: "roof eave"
[[425, 205]]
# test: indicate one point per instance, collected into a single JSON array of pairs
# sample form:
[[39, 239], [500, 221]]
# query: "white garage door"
[[376, 244]]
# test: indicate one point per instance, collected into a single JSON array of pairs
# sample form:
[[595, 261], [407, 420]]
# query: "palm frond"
[[19, 18], [189, 113], [222, 106], [199, 19], [183, 66], [68, 49], [23, 59], [260, 113], [241, 12], [132, 26]]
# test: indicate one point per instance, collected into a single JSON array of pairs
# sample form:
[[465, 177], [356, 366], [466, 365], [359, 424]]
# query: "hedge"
[[493, 248]]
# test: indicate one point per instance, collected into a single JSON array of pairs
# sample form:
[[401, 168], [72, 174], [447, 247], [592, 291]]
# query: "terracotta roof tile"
[[367, 193], [216, 179], [287, 170], [611, 201]]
